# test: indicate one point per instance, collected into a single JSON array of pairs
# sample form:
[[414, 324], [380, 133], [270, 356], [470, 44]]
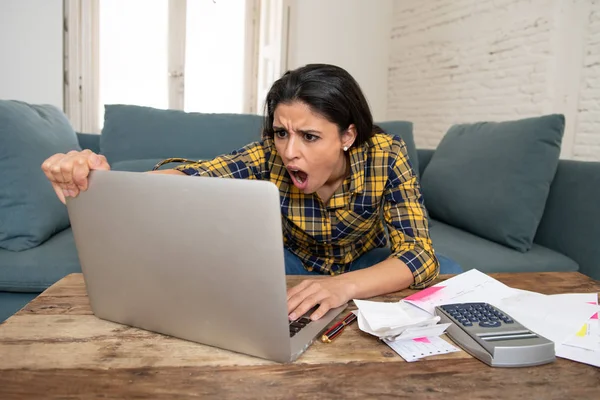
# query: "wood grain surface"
[[56, 348]]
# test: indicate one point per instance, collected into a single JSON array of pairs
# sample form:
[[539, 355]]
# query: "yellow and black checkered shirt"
[[328, 237]]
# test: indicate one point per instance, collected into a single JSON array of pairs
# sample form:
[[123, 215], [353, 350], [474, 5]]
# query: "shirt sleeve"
[[404, 214], [249, 162]]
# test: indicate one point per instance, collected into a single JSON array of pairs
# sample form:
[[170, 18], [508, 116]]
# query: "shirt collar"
[[357, 168]]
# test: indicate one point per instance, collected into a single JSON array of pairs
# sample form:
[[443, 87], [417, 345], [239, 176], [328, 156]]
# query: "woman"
[[345, 187]]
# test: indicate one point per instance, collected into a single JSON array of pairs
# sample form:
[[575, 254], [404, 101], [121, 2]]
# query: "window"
[[178, 54], [193, 55], [133, 53], [214, 56]]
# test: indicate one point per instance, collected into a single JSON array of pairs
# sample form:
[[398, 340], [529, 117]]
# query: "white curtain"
[[81, 64]]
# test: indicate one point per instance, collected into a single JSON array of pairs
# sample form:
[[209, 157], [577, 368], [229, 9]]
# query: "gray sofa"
[[135, 138]]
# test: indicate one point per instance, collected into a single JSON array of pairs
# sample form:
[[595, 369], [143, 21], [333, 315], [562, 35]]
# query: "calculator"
[[493, 337]]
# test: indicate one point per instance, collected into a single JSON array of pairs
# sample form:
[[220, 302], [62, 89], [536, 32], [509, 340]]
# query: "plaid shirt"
[[329, 237]]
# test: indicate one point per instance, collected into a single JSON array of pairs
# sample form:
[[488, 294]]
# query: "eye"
[[280, 133], [310, 137]]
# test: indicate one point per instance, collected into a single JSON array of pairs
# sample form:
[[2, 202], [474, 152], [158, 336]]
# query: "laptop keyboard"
[[298, 324]]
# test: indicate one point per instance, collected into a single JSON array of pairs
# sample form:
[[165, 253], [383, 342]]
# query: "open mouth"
[[299, 177]]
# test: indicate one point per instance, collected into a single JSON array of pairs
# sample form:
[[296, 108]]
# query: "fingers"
[[97, 161], [306, 299], [69, 172], [297, 294], [81, 170], [59, 193], [322, 310], [297, 289], [66, 171]]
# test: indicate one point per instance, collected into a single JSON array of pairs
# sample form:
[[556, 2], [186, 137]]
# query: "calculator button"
[[449, 308], [508, 321], [490, 324], [467, 323]]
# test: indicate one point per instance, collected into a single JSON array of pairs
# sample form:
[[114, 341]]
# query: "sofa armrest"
[[571, 220], [424, 158], [89, 141]]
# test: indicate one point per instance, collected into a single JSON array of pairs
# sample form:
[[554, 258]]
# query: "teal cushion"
[[138, 133], [10, 303], [36, 269], [471, 251], [403, 129], [30, 211], [493, 178]]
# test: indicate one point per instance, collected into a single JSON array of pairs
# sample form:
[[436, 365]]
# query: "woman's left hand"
[[328, 292]]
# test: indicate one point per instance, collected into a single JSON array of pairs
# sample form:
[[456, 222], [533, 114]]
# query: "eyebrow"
[[303, 131]]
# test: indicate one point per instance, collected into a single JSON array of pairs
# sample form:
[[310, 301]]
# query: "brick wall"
[[455, 61], [587, 137]]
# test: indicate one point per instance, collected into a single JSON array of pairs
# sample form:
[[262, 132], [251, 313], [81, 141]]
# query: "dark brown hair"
[[329, 91]]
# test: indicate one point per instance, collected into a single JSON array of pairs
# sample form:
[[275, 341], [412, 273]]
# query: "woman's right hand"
[[69, 172]]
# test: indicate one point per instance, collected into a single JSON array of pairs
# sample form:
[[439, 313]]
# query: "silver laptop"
[[195, 258]]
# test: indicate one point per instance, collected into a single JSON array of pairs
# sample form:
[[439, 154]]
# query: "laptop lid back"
[[195, 258]]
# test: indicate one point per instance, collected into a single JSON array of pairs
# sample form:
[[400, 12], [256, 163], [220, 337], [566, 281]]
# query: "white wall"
[[31, 50], [353, 34], [458, 61]]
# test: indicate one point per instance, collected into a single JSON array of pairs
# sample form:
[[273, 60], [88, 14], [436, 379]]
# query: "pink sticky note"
[[595, 316], [423, 294], [422, 340]]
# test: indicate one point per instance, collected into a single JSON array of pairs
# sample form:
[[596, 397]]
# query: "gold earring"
[[345, 148]]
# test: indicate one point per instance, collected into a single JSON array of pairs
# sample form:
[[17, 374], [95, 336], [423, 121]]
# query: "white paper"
[[584, 349], [578, 354], [381, 315], [412, 350], [470, 286], [420, 332], [553, 317], [588, 337], [577, 297], [391, 319]]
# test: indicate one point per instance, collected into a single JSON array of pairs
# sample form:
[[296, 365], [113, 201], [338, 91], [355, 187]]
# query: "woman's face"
[[310, 146]]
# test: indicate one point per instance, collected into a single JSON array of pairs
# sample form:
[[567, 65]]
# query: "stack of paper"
[[396, 320], [408, 330], [569, 320]]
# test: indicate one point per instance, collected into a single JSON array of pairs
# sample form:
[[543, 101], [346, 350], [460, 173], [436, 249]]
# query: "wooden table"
[[56, 348]]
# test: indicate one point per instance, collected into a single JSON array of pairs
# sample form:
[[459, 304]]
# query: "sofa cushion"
[[493, 178], [137, 133], [404, 129], [10, 303], [471, 251], [36, 269], [30, 211]]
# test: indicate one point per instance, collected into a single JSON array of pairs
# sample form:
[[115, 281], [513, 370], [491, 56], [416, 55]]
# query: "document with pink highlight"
[[415, 349], [470, 286]]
